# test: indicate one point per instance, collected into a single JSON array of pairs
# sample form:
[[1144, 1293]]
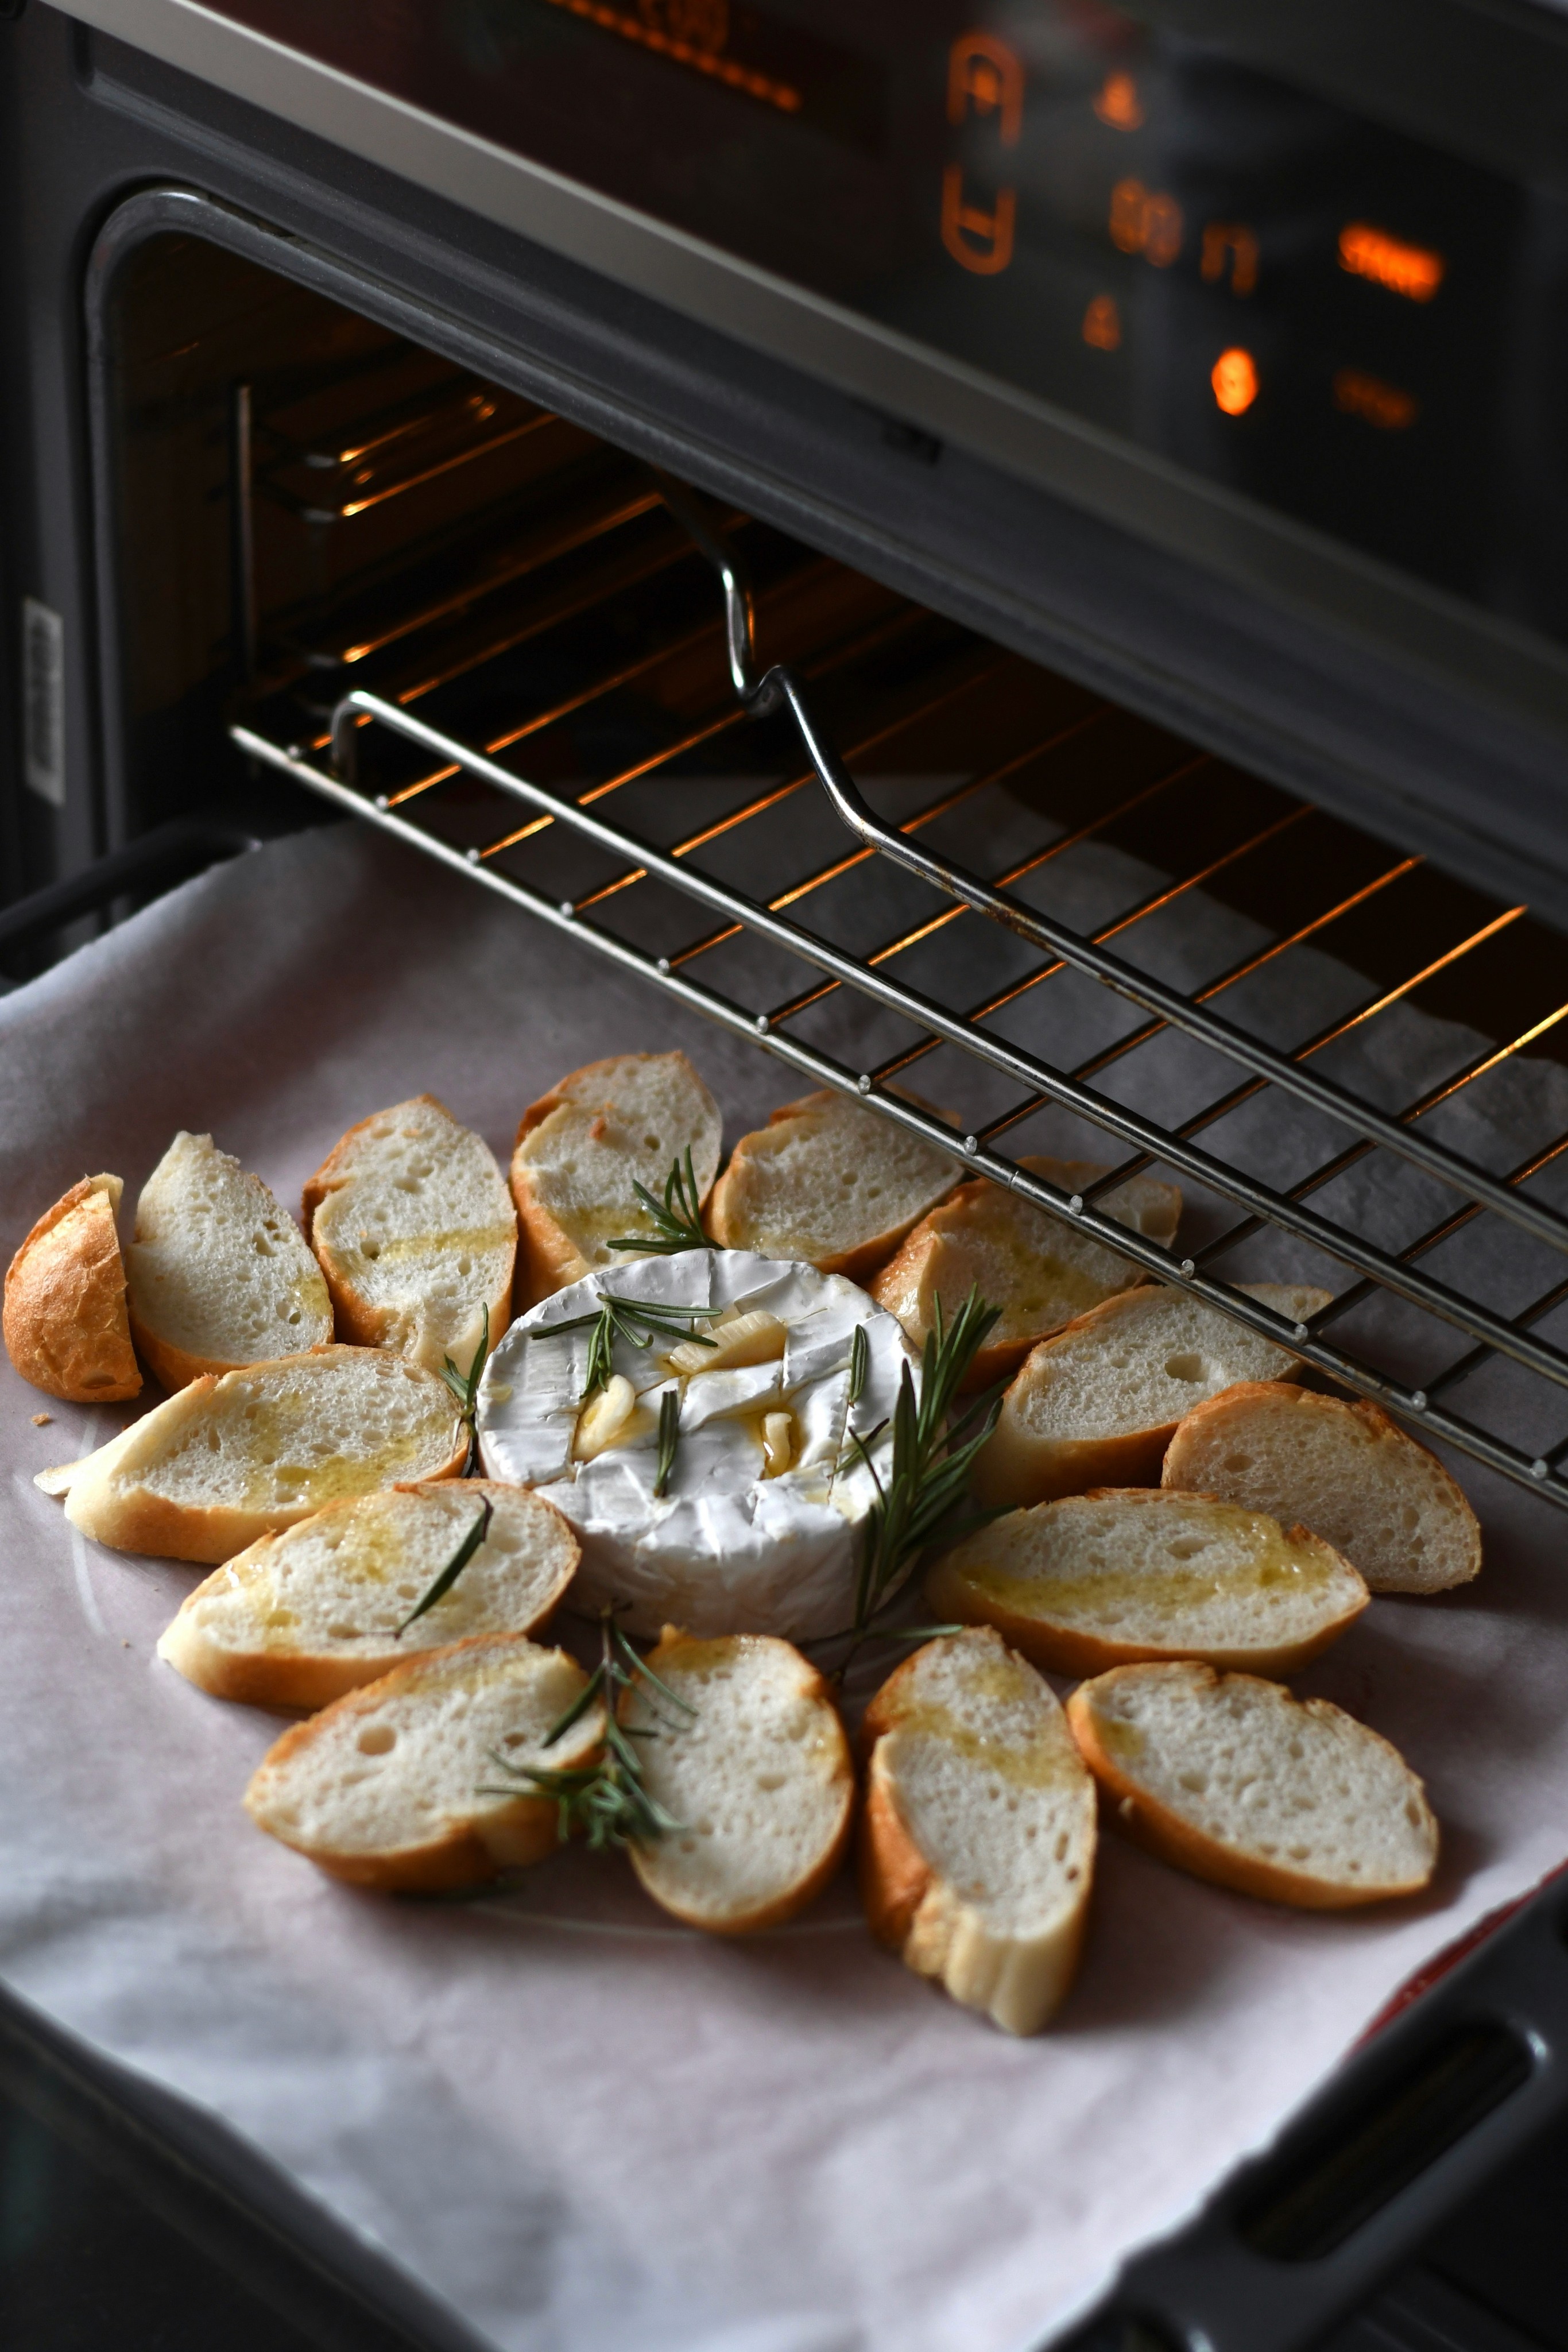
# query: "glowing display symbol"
[[1117, 103], [1102, 324], [1234, 377], [981, 240], [1147, 221], [1233, 238], [984, 77], [1408, 269]]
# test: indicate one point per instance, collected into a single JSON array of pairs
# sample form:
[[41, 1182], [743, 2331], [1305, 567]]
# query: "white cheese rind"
[[725, 1551]]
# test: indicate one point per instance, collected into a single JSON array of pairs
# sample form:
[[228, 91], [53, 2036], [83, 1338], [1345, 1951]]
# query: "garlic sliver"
[[757, 1337], [778, 1444], [603, 1420]]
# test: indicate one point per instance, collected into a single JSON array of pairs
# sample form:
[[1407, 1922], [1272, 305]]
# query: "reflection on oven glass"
[[1291, 300]]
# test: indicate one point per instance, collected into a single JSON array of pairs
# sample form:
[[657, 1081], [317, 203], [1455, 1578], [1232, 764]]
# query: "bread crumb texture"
[[1104, 1579], [1232, 1777], [1344, 1470], [416, 1230], [398, 1785], [978, 1845], [757, 1775], [1040, 1271], [1097, 1404], [299, 1618], [584, 1147], [829, 1182], [218, 1275], [65, 1320], [229, 1460]]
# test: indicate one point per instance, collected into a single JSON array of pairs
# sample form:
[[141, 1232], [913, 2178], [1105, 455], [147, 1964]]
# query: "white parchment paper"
[[574, 2121]]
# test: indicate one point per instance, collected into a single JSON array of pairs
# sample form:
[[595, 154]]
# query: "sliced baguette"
[[1098, 1405], [757, 1775], [584, 1147], [65, 1317], [1123, 1575], [977, 1836], [1232, 1778], [404, 1785], [1346, 1471], [415, 1229], [829, 1182], [228, 1461], [299, 1618], [218, 1275], [1038, 1270]]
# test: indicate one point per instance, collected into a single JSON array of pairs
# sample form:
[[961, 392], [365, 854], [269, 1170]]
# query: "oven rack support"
[[763, 692]]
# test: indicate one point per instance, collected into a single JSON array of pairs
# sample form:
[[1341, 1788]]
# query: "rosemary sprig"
[[929, 1473], [453, 1568], [608, 1801], [464, 1387], [677, 1219], [669, 1438], [619, 1318], [860, 1364]]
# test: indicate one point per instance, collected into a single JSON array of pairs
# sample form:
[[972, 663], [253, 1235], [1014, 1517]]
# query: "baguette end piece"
[[65, 1321]]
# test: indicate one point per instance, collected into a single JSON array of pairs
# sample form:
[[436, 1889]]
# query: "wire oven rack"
[[604, 633]]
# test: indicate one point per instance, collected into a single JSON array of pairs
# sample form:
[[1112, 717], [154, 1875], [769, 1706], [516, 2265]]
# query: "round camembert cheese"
[[758, 1529]]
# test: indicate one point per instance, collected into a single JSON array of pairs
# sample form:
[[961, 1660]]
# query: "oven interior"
[[304, 503]]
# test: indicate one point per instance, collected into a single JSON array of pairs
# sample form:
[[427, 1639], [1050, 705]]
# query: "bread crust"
[[315, 1679], [1235, 1401], [550, 1257], [899, 1285], [805, 1890], [1062, 1649], [1016, 1466], [356, 1318], [66, 1326], [1163, 1832], [726, 1220], [1019, 1981], [141, 1521], [462, 1857]]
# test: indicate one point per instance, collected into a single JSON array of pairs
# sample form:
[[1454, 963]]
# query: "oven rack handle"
[[779, 687]]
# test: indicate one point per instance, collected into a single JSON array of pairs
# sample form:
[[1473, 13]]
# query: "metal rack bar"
[[779, 690], [1412, 1405]]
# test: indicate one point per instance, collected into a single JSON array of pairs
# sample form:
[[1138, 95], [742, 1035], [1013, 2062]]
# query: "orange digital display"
[[1234, 377], [984, 77], [1118, 102], [1230, 242], [1147, 221], [1410, 270], [692, 33], [1377, 403], [1102, 324]]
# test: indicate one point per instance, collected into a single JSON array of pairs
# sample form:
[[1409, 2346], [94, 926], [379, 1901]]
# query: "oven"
[[1044, 525]]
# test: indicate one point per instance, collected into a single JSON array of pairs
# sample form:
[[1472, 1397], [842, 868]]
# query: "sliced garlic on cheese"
[[759, 1528]]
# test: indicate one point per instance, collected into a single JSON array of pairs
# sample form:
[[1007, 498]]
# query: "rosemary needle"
[[464, 1387], [453, 1568], [620, 1319], [669, 1438], [677, 1220], [608, 1801]]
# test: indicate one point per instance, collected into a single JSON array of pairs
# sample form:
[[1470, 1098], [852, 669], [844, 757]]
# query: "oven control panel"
[[1251, 272]]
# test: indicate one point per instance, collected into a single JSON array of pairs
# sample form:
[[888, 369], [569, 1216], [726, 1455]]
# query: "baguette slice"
[[415, 1233], [829, 1182], [757, 1775], [1123, 1575], [228, 1461], [1040, 1271], [582, 1148], [1344, 1470], [977, 1836], [404, 1785], [218, 1275], [65, 1320], [1232, 1778], [301, 1617], [1098, 1405]]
